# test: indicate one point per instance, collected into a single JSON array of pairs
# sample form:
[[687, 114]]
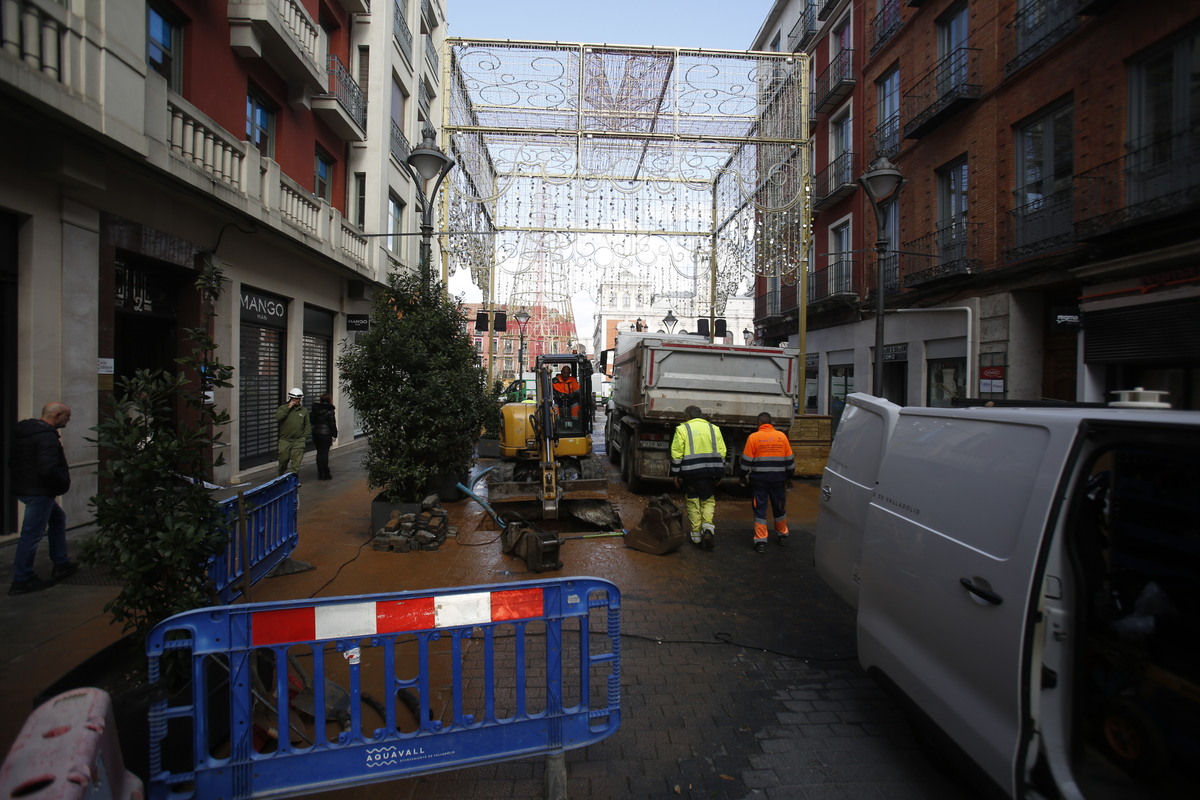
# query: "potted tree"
[[157, 524], [415, 380], [488, 445]]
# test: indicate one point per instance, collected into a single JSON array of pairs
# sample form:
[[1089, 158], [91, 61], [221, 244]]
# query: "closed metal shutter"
[[1151, 332], [260, 394]]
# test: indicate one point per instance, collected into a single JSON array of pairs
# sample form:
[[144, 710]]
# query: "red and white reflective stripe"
[[341, 620]]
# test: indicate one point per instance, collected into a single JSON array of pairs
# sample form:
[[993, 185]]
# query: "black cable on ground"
[[720, 637]]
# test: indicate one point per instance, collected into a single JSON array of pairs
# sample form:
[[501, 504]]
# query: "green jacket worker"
[[295, 427]]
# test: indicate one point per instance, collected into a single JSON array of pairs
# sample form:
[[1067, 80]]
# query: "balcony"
[[423, 102], [834, 182], [282, 33], [841, 280], [399, 144], [431, 15], [1156, 181], [1039, 227], [356, 6], [949, 252], [886, 137], [1035, 29], [832, 85], [402, 34], [885, 24], [952, 84], [805, 28], [431, 58], [344, 109]]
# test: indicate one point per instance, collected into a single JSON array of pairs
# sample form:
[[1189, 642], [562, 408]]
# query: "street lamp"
[[882, 182], [428, 163], [522, 318], [747, 335], [669, 321]]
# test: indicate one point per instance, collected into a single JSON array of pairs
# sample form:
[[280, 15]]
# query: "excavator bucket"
[[660, 530]]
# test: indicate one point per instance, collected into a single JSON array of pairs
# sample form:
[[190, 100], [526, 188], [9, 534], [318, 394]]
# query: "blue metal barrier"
[[269, 537], [303, 696]]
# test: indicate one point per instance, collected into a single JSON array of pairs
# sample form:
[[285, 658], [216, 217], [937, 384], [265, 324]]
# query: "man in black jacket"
[[39, 475]]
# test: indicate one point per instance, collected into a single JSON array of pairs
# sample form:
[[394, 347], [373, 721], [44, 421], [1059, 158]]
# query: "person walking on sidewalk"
[[768, 463], [698, 464], [39, 475], [324, 431], [295, 427]]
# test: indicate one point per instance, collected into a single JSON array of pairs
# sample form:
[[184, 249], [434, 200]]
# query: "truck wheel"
[[610, 443], [628, 470]]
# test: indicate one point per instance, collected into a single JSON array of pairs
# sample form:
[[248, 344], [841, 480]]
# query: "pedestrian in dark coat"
[[40, 474], [324, 431]]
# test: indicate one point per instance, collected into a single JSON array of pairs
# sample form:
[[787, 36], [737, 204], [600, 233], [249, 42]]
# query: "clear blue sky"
[[716, 24]]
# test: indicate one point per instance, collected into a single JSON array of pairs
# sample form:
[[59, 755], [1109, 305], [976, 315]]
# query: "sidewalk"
[[780, 710]]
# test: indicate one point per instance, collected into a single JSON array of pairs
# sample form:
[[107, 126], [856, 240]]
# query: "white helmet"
[[296, 392]]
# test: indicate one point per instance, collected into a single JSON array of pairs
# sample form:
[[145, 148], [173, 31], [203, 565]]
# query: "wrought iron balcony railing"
[[842, 279], [399, 144], [948, 252], [1158, 177], [401, 32], [423, 102], [1035, 29], [835, 181], [805, 28], [431, 54], [347, 91], [952, 83], [1040, 226], [885, 24], [835, 82], [886, 137], [826, 8]]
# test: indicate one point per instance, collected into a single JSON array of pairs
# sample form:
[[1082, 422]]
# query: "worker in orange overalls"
[[768, 463], [566, 392]]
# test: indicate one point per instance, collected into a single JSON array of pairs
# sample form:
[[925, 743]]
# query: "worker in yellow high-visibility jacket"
[[698, 464]]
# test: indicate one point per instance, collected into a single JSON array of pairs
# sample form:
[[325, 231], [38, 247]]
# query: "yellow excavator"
[[546, 446]]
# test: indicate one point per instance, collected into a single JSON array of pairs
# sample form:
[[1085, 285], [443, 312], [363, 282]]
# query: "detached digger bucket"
[[660, 530]]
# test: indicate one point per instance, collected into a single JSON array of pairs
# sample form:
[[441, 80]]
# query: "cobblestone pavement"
[[738, 672]]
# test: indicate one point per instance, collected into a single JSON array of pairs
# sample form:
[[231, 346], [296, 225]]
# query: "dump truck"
[[656, 376]]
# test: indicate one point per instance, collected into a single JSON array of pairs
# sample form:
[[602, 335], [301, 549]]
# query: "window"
[[887, 132], [890, 236], [360, 199], [395, 223], [952, 50], [952, 211], [164, 44], [840, 145], [260, 124], [839, 279], [1164, 120], [1042, 197], [323, 176], [947, 381]]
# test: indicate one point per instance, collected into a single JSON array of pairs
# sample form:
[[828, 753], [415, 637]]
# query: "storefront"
[[260, 375]]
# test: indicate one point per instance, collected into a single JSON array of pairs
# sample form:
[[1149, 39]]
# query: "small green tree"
[[157, 525], [415, 380]]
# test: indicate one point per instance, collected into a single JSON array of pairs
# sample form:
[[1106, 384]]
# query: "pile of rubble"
[[423, 529]]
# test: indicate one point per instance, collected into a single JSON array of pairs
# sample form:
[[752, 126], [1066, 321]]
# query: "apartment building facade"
[[149, 138], [1044, 244]]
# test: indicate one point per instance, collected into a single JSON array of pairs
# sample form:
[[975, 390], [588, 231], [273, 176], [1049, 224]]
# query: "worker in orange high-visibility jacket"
[[566, 393], [768, 463]]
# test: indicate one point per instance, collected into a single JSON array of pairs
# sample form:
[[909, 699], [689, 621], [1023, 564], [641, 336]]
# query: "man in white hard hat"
[[294, 429]]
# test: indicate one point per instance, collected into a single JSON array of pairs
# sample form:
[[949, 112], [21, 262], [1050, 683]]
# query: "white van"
[[1028, 581]]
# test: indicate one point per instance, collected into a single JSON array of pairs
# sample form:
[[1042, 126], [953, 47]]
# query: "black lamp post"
[[669, 321], [522, 318], [882, 183], [747, 335], [428, 163]]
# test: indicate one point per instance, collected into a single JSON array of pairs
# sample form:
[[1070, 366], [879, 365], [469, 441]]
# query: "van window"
[[970, 481]]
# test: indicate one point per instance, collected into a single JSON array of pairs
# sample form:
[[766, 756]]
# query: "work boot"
[[706, 537], [783, 539], [34, 584], [696, 536], [63, 571], [760, 547]]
